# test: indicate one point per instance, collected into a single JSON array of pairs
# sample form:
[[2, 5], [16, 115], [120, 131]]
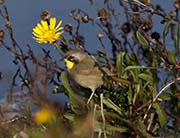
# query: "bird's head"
[[73, 57]]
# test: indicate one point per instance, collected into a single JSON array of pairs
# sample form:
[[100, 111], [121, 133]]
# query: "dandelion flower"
[[44, 115], [47, 33]]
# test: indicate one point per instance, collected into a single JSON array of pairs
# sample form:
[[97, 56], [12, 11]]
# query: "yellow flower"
[[47, 33], [44, 115]]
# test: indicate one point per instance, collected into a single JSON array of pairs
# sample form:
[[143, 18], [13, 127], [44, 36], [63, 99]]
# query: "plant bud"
[[100, 35], [177, 4], [126, 28], [85, 19], [1, 1], [172, 14], [103, 14], [68, 27], [45, 15], [76, 17], [1, 35], [155, 35]]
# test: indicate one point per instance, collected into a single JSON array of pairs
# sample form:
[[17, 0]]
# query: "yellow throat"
[[69, 64]]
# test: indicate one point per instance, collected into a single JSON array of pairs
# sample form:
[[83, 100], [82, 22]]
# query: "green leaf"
[[66, 84], [110, 129], [146, 77], [69, 116], [138, 67], [176, 44], [165, 96], [113, 128], [110, 104], [172, 56], [101, 54], [178, 37], [166, 29], [155, 129], [77, 103], [138, 88], [36, 133], [141, 39], [120, 80], [64, 41], [142, 129], [120, 63], [115, 116], [161, 115]]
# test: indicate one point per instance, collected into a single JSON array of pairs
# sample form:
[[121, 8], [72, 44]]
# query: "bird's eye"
[[72, 59]]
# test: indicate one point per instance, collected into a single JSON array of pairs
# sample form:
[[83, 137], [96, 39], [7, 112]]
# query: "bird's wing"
[[92, 80], [85, 66]]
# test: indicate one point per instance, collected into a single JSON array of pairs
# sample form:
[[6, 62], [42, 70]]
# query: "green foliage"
[[166, 29], [76, 101], [113, 106], [163, 120], [141, 39]]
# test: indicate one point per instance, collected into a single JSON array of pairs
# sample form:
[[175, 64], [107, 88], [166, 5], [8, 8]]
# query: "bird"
[[83, 70]]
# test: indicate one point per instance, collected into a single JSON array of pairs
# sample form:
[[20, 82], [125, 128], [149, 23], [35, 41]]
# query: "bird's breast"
[[92, 80]]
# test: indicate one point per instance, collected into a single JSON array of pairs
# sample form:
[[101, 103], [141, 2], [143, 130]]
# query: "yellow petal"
[[60, 33], [39, 41], [35, 34], [51, 41], [52, 23], [60, 28], [39, 26], [57, 35], [59, 24], [44, 25], [38, 31]]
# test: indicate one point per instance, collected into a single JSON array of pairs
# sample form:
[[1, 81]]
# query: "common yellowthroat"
[[83, 70]]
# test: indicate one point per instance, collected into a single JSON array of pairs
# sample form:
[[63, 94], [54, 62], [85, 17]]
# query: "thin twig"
[[102, 114], [159, 93], [107, 57], [99, 133], [150, 121], [141, 4], [93, 121]]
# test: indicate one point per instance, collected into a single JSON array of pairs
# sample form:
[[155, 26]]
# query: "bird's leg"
[[93, 91]]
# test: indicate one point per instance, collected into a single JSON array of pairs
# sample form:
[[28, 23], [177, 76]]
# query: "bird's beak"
[[69, 64]]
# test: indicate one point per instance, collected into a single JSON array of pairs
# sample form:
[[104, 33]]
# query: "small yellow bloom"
[[47, 33], [44, 115]]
